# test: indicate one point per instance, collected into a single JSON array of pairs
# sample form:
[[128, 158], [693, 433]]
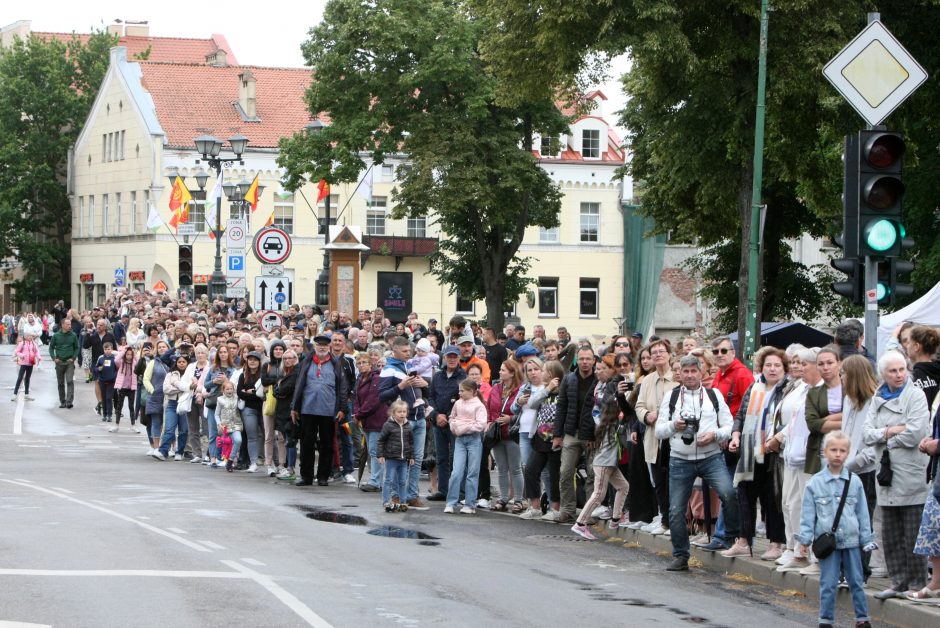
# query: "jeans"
[[376, 468], [171, 423], [468, 451], [213, 432], [849, 562], [444, 446], [571, 452], [682, 474], [107, 398], [420, 430], [252, 419], [509, 468], [65, 378], [396, 479], [23, 377], [155, 429]]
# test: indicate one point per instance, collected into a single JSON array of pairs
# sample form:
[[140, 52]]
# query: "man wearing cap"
[[319, 402], [636, 344], [434, 331], [524, 352], [444, 388], [348, 441], [468, 356]]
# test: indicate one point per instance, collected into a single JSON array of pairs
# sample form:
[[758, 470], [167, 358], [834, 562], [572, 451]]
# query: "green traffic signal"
[[881, 235]]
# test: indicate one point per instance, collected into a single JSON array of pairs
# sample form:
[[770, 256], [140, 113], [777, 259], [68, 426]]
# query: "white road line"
[[145, 573], [176, 531], [212, 545], [21, 624], [22, 480], [252, 561], [18, 415], [113, 513], [302, 610], [101, 503], [63, 490]]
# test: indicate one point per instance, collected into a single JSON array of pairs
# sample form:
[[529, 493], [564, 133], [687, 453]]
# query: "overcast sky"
[[269, 35]]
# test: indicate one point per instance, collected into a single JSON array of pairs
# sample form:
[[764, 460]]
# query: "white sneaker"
[[14, 398], [794, 564], [272, 472], [531, 513], [601, 512], [283, 473], [114, 429], [812, 570], [660, 531], [551, 516], [483, 503], [699, 540], [786, 557], [624, 523], [135, 429], [636, 525], [349, 478], [150, 452], [448, 510], [467, 510], [28, 398], [158, 455], [653, 525], [195, 460], [253, 468], [178, 457]]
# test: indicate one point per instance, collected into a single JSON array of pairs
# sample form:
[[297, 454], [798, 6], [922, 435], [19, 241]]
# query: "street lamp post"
[[210, 147], [322, 292]]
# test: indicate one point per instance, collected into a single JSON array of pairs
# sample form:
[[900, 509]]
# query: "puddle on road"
[[328, 516], [394, 532]]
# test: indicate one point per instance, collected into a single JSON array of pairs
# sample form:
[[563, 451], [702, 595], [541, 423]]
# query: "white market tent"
[[925, 311]]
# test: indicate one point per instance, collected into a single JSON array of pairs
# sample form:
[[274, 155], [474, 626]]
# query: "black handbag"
[[825, 543], [885, 473], [492, 435]]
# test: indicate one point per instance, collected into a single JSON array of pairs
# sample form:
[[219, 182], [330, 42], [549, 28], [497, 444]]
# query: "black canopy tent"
[[782, 335]]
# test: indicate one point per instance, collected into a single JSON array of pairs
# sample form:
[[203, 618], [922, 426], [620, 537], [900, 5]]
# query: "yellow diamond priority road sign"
[[875, 73]]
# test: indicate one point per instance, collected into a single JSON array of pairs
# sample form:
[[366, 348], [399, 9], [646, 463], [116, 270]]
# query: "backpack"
[[545, 418], [674, 399]]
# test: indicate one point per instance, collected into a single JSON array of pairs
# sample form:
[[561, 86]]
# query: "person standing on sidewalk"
[[64, 350], [26, 356]]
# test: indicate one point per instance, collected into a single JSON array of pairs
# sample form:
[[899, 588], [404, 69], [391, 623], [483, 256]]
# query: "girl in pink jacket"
[[26, 356], [467, 422], [125, 386]]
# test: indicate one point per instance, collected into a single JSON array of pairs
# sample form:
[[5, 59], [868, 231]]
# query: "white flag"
[[212, 201], [365, 186], [154, 221]]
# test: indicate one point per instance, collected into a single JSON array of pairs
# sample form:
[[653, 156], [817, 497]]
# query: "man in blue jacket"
[[444, 388]]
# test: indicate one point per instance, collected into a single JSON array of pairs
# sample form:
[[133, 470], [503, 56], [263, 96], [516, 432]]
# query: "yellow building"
[[141, 130]]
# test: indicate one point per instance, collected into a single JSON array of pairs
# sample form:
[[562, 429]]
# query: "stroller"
[[224, 442]]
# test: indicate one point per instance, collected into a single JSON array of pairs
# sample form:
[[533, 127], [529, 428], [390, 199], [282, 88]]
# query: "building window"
[[548, 235], [417, 227], [81, 216], [590, 221], [591, 144], [388, 172], [548, 296], [121, 144], [91, 216], [134, 212], [334, 203], [104, 214], [375, 216], [550, 146], [120, 218], [284, 211], [588, 298], [104, 148], [465, 306], [197, 211]]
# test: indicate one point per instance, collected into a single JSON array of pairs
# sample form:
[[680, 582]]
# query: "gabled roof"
[[192, 99], [162, 49]]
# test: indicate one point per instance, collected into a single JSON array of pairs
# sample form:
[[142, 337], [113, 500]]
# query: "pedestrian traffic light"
[[853, 288], [880, 194], [185, 265]]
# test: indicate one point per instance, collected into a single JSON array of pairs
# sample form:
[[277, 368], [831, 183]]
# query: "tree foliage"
[[406, 77], [46, 91]]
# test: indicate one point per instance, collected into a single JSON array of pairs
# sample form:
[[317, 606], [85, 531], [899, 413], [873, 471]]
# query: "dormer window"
[[550, 146], [591, 144]]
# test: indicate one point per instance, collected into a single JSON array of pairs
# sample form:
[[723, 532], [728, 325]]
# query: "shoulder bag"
[[825, 543]]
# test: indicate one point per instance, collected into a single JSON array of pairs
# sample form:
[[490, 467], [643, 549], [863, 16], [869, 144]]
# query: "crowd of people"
[[668, 439]]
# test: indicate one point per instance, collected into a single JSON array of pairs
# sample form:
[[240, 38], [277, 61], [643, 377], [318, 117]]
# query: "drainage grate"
[[558, 537]]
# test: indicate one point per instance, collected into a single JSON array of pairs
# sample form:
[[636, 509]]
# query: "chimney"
[[246, 94], [217, 59], [137, 29], [116, 29]]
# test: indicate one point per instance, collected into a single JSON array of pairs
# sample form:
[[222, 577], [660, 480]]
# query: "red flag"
[[323, 190], [270, 220]]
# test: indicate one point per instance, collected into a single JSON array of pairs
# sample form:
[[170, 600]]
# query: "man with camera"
[[696, 420]]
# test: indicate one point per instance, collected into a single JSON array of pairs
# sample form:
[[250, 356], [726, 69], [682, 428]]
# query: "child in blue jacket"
[[820, 503], [107, 373]]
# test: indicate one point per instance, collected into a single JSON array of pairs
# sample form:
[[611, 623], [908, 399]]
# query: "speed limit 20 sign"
[[235, 234], [271, 245]]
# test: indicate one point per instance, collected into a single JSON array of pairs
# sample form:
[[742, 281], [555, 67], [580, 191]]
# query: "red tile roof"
[[195, 99], [171, 49]]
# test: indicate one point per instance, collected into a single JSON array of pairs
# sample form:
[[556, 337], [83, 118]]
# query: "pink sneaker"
[[583, 531]]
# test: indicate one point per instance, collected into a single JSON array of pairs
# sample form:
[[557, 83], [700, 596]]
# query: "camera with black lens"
[[691, 427]]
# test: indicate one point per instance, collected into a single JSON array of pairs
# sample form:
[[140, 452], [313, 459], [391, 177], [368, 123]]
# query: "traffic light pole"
[[871, 306]]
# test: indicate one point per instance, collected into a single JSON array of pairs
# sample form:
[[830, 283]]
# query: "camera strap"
[[674, 399]]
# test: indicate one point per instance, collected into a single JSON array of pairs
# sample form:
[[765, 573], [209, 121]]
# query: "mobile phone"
[[412, 373]]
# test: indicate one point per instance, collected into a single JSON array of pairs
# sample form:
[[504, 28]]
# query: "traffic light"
[[880, 194], [853, 288], [889, 290], [185, 265]]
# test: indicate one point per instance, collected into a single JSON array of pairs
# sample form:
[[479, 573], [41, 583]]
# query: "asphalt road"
[[95, 533]]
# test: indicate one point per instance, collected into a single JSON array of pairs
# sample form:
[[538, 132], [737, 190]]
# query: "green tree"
[[46, 91], [405, 76]]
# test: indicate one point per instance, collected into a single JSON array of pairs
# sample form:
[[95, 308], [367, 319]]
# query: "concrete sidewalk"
[[894, 612]]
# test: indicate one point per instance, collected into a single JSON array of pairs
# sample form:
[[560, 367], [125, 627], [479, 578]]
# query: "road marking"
[[20, 624], [113, 513], [302, 610], [107, 573], [176, 531], [212, 545], [22, 480], [18, 415], [63, 490], [256, 563]]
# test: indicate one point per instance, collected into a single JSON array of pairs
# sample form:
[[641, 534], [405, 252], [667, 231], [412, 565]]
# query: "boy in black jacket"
[[107, 373], [395, 450]]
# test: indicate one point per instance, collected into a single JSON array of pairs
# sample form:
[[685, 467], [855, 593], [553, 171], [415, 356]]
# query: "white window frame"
[[81, 216], [104, 147], [197, 211], [104, 214], [464, 312], [134, 212], [417, 227], [551, 139], [284, 211], [549, 236], [120, 221], [388, 172], [91, 215], [121, 145], [379, 205], [589, 210], [547, 285], [589, 285], [586, 142]]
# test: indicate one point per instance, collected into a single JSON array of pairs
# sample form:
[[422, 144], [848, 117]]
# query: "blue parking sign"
[[236, 263]]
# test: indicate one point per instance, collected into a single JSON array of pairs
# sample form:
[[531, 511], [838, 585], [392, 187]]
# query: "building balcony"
[[398, 247]]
